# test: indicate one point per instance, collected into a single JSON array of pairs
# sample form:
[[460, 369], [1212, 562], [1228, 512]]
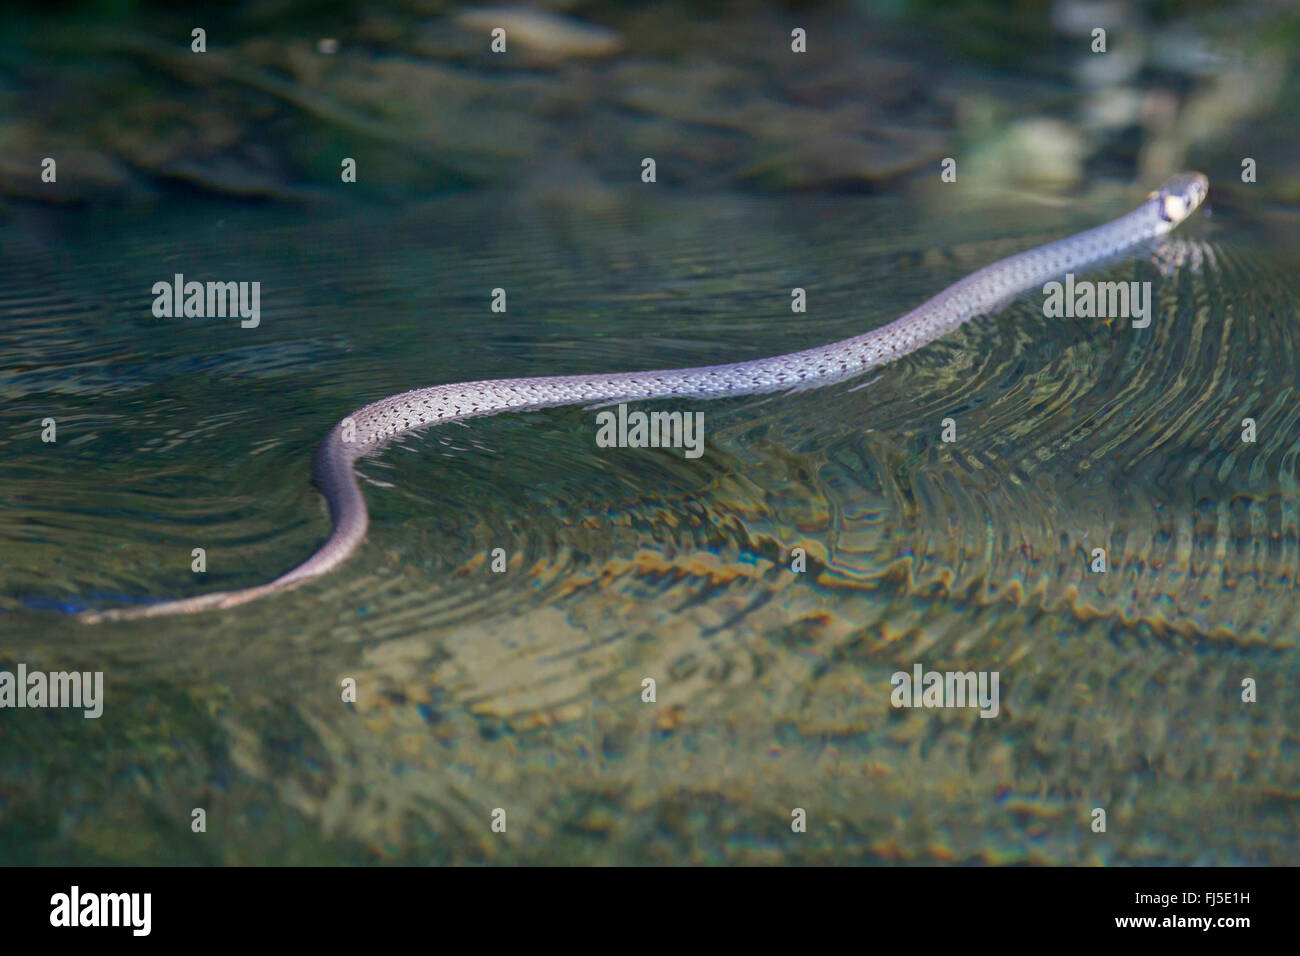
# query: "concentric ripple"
[[1072, 434]]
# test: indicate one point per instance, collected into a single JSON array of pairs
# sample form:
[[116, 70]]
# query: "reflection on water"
[[522, 690]]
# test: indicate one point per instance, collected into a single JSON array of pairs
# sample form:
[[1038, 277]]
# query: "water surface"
[[522, 690]]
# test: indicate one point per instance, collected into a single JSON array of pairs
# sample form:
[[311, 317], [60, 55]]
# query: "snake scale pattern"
[[368, 429]]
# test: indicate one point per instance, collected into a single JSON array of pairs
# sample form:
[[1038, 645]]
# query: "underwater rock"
[[542, 32]]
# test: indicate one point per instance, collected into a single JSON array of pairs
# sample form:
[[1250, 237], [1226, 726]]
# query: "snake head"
[[1179, 196]]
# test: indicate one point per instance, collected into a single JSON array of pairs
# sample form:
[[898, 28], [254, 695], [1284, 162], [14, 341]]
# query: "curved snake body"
[[368, 429]]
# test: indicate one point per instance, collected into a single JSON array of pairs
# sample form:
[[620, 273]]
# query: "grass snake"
[[368, 429]]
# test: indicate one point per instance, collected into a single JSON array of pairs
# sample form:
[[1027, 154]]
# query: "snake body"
[[368, 429]]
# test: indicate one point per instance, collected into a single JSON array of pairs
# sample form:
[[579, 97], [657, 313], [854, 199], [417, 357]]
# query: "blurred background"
[[712, 90]]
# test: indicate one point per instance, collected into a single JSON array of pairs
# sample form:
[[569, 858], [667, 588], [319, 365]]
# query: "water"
[[521, 690]]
